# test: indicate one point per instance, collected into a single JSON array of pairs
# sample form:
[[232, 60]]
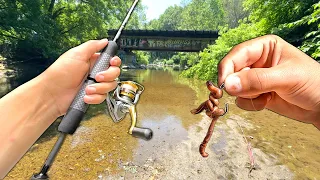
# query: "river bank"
[[227, 159], [5, 74]]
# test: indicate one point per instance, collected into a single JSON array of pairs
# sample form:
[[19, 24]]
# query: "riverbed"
[[100, 149]]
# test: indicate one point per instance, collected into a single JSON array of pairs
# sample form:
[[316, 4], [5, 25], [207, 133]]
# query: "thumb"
[[86, 50], [256, 81]]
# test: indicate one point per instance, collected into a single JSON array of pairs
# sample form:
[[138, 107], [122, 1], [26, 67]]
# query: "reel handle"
[[78, 108], [143, 133]]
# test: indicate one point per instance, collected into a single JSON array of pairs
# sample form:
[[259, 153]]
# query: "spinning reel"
[[122, 101]]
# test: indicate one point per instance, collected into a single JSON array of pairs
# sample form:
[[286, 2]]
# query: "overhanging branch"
[[57, 13], [66, 31]]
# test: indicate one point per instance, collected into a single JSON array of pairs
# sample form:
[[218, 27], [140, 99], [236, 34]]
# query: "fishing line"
[[253, 104]]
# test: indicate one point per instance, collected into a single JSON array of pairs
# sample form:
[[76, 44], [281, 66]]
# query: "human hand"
[[64, 77], [267, 72]]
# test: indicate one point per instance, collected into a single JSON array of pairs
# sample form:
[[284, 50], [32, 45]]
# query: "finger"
[[93, 59], [259, 52], [87, 49], [280, 106], [245, 69], [101, 88], [255, 104], [115, 61], [94, 98], [250, 97], [109, 75], [258, 81]]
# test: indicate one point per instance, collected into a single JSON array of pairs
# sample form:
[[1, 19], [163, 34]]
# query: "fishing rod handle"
[[78, 108]]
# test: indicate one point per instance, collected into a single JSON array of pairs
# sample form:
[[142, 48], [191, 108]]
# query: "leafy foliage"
[[200, 15], [43, 29], [294, 20], [311, 35], [142, 57]]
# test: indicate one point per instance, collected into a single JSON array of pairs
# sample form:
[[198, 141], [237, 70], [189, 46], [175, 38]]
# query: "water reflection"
[[167, 133], [15, 74]]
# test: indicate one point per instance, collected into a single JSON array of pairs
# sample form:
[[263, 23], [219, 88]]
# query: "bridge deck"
[[161, 33], [159, 40]]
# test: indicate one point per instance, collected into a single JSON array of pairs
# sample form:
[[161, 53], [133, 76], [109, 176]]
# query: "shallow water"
[[101, 149]]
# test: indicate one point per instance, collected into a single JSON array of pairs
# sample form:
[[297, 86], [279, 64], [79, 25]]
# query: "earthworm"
[[212, 110]]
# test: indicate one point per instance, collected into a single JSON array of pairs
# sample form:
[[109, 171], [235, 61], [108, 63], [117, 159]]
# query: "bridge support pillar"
[[127, 57]]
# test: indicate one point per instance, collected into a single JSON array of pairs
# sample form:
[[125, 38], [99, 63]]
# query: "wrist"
[[43, 95]]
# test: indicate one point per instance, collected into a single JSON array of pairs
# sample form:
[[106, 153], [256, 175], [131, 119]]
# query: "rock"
[[86, 169]]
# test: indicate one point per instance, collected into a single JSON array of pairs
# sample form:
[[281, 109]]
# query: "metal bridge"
[[157, 40]]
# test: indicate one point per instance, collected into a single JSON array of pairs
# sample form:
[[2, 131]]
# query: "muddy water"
[[100, 149]]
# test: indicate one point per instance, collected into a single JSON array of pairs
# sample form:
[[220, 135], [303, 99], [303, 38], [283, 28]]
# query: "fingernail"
[[88, 98], [233, 83], [114, 61], [100, 77], [92, 89]]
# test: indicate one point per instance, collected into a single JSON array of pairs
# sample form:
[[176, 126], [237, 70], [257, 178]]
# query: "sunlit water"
[[101, 149]]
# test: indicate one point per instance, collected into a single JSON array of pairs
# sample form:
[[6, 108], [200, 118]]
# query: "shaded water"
[[101, 149]]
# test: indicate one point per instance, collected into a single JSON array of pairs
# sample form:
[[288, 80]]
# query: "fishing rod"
[[119, 103]]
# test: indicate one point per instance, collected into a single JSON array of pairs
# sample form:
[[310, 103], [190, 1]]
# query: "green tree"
[[142, 57], [233, 12], [202, 15], [169, 20], [307, 29], [44, 29]]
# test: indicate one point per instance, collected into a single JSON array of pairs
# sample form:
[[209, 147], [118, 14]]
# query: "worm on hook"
[[212, 110]]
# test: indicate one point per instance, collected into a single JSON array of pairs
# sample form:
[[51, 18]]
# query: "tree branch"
[[57, 13], [51, 6], [9, 36], [64, 32]]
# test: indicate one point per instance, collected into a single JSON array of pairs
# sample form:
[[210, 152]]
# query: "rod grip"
[[78, 108]]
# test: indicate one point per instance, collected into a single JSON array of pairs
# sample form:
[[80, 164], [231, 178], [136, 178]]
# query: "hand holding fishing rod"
[[77, 109], [121, 102]]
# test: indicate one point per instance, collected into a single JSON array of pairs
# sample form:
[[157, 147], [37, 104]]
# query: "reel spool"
[[122, 101]]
